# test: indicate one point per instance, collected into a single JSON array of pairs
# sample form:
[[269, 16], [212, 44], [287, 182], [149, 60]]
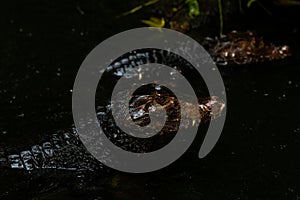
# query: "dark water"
[[42, 46]]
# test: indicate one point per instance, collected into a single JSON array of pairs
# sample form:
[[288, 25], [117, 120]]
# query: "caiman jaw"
[[211, 107]]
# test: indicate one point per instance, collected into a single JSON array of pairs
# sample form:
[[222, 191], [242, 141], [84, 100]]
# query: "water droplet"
[[117, 65], [158, 87], [118, 73], [125, 61]]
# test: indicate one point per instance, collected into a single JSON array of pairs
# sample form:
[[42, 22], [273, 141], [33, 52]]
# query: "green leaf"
[[155, 22], [139, 7], [250, 3], [194, 10]]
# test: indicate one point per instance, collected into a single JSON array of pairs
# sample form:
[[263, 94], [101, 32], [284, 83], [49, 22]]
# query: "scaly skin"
[[244, 48], [64, 150]]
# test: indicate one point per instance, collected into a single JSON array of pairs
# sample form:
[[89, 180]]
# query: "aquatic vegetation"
[[250, 2], [188, 9], [180, 14], [155, 22], [139, 7], [221, 16], [193, 8]]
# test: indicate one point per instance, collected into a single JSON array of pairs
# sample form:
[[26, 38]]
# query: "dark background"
[[42, 44]]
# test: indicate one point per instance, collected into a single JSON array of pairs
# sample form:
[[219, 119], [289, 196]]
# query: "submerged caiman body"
[[63, 150]]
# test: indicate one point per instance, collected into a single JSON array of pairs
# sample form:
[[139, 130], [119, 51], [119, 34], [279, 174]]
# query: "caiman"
[[244, 48], [64, 150]]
